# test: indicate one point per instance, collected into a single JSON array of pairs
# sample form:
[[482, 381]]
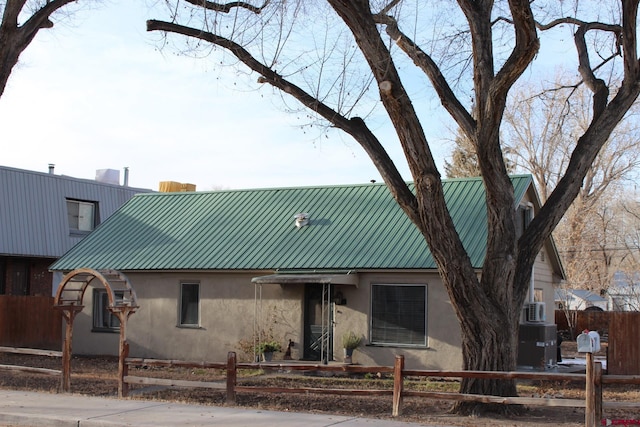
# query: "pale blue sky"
[[96, 93]]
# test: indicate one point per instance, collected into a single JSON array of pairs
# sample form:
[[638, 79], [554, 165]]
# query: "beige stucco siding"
[[229, 309]]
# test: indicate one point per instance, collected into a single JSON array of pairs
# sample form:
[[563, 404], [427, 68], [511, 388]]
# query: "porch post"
[[257, 321]]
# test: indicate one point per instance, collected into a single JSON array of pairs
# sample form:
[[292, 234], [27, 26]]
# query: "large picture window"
[[189, 304], [103, 319], [399, 315]]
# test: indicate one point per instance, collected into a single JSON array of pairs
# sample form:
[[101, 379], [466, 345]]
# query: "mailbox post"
[[589, 343]]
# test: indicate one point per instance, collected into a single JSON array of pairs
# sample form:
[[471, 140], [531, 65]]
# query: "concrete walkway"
[[24, 408]]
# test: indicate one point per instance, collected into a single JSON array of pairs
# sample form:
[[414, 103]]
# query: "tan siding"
[[227, 316]]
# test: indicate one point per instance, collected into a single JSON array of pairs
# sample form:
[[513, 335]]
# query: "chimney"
[[51, 167], [126, 176]]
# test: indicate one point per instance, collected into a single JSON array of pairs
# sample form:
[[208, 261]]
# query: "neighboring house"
[[308, 264], [42, 215], [624, 293], [579, 299]]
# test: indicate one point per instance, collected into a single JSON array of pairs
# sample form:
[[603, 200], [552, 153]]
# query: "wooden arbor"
[[122, 303]]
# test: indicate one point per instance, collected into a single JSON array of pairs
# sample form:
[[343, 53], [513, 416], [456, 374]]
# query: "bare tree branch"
[[430, 68], [227, 7], [354, 126], [15, 38]]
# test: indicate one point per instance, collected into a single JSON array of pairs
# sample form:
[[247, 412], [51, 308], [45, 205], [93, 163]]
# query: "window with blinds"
[[399, 315]]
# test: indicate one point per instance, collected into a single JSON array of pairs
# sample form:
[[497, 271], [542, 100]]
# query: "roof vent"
[[302, 219]]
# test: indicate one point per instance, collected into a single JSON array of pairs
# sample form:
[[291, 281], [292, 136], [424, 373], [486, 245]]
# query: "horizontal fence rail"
[[593, 402], [32, 352], [399, 375]]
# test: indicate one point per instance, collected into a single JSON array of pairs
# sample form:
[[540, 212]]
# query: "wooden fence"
[[621, 330], [33, 352], [593, 381], [29, 322]]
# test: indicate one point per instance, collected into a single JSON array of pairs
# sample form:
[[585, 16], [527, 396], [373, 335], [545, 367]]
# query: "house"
[[624, 292], [213, 270], [43, 215], [579, 299]]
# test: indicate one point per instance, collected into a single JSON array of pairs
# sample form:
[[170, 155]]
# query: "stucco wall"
[[228, 309]]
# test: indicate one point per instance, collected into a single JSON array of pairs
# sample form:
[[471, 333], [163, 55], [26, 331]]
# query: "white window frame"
[[183, 321], [85, 219], [374, 334]]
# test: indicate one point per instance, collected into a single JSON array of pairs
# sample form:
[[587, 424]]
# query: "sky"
[[96, 92]]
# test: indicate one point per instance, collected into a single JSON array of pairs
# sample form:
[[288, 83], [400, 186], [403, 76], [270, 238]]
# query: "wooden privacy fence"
[[593, 380], [29, 322], [621, 330]]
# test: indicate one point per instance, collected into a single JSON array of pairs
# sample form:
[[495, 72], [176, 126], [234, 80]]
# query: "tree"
[[21, 21], [625, 289], [537, 123], [464, 161], [283, 42]]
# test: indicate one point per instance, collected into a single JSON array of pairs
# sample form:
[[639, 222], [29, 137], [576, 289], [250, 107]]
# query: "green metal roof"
[[352, 227]]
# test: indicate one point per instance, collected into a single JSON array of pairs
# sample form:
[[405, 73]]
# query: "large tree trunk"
[[489, 343]]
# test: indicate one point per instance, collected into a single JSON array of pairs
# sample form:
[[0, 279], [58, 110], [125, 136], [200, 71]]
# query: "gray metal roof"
[[33, 210], [583, 294], [351, 227]]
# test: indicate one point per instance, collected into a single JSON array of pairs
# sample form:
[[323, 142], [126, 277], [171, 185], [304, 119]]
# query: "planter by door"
[[267, 356], [348, 355]]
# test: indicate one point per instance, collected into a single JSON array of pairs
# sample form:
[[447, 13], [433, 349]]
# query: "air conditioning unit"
[[535, 312]]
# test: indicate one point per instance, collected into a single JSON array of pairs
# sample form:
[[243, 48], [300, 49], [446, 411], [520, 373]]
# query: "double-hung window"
[[103, 319], [399, 315], [189, 310]]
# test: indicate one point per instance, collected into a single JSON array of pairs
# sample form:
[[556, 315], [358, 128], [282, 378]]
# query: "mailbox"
[[588, 342]]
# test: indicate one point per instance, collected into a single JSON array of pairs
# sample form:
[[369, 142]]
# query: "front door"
[[318, 322]]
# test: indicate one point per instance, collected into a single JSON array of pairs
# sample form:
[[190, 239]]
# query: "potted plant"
[[350, 341], [267, 348]]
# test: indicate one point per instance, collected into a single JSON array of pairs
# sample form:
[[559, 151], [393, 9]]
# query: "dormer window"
[[82, 215]]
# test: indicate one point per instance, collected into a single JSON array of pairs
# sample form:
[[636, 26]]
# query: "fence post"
[[597, 374], [231, 378], [398, 382], [123, 370], [66, 353], [590, 394]]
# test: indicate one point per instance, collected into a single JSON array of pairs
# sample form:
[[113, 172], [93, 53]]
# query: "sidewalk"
[[24, 408]]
